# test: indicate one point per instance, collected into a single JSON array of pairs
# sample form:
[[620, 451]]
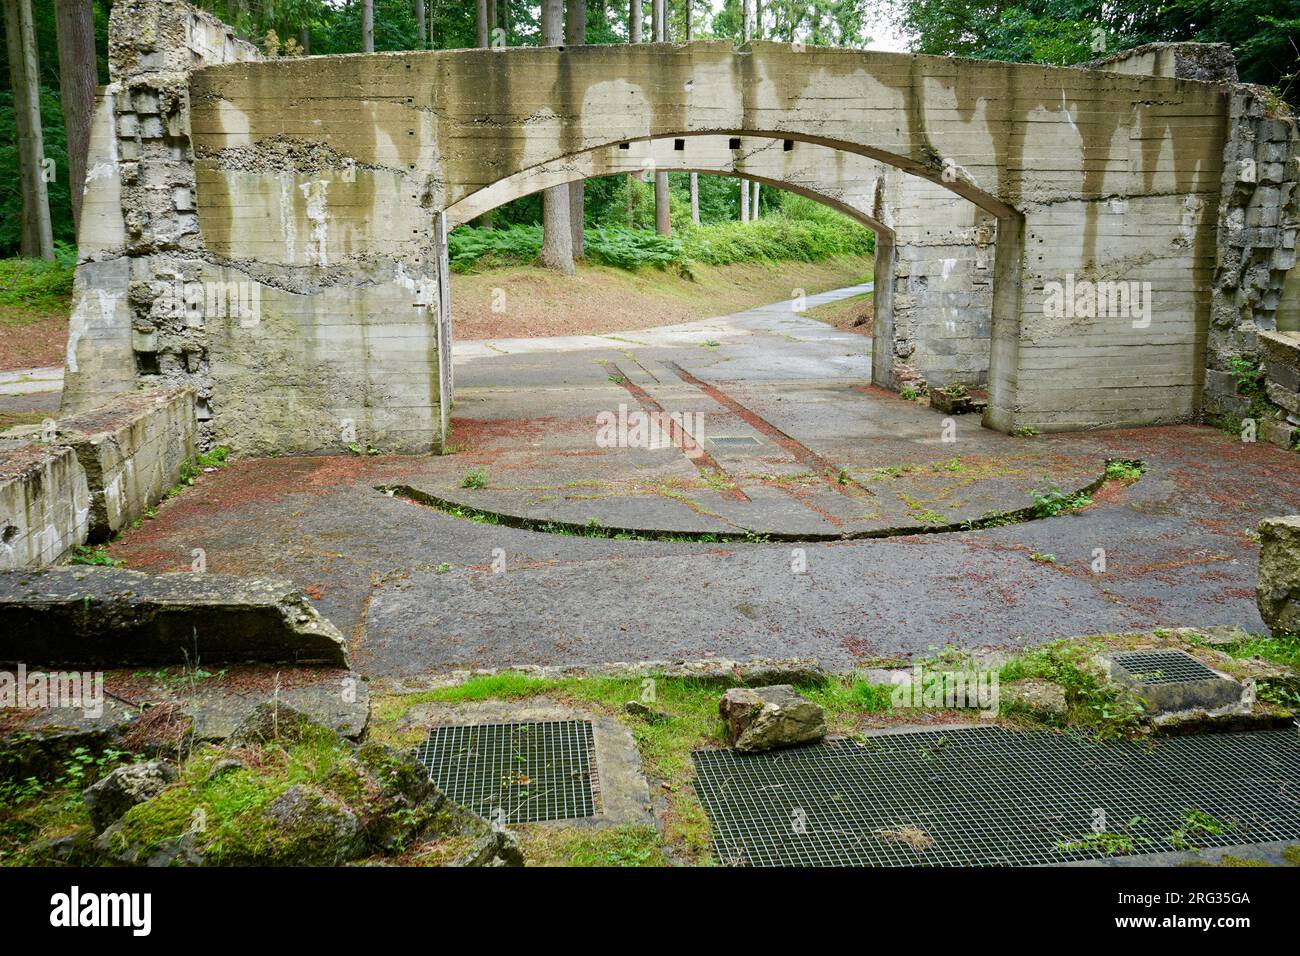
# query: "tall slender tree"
[[424, 26], [75, 20], [37, 233], [575, 34], [635, 15], [368, 26], [689, 29], [663, 217], [557, 237], [481, 22]]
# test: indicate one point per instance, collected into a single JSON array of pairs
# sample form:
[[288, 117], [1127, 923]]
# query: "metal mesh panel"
[[517, 772], [1163, 667], [989, 796]]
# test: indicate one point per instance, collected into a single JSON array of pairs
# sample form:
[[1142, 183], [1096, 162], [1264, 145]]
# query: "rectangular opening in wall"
[[679, 144], [788, 145], [146, 363], [733, 143]]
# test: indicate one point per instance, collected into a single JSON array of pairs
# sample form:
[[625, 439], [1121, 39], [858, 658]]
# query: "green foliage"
[[1124, 470], [1054, 501], [1262, 33], [817, 234], [98, 556], [475, 479], [37, 283], [216, 458], [1094, 702]]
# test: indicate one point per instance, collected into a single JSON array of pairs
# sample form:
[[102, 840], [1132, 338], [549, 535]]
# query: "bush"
[[806, 232], [38, 283]]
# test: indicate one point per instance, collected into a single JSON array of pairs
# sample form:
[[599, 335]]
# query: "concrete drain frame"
[[988, 796], [517, 772], [1170, 681]]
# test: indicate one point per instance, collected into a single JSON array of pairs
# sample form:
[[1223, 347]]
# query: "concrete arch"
[[938, 244], [222, 160]]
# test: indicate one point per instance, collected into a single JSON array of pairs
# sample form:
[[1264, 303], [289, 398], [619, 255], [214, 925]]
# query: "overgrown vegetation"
[[803, 231]]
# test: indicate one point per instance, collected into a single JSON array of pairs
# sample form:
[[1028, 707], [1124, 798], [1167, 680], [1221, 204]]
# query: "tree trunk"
[[688, 27], [37, 235], [481, 22], [695, 198], [575, 34], [505, 20], [758, 20], [663, 221], [494, 19], [557, 236], [753, 211], [304, 39], [631, 200], [424, 26], [368, 26], [634, 15], [744, 200], [746, 20], [77, 80]]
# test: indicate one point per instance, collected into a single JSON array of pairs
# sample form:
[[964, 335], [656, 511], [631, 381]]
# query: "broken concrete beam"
[[89, 616], [44, 504], [1277, 588]]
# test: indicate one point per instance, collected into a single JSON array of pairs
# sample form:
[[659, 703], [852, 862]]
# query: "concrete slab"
[[417, 591]]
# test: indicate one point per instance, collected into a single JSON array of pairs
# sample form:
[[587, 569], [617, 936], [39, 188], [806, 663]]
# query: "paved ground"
[[416, 590]]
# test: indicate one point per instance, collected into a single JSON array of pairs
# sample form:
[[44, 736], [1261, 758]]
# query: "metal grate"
[[1163, 667], [988, 796], [516, 772], [734, 440]]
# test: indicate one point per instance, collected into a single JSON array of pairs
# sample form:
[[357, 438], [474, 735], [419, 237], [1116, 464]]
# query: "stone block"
[[1277, 587], [763, 718], [93, 616]]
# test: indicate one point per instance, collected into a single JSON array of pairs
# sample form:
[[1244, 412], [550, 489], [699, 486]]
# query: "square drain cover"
[[518, 772], [988, 796], [1162, 667], [734, 440]]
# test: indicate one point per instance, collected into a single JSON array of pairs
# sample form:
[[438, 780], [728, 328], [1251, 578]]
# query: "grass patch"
[[1095, 704], [37, 285]]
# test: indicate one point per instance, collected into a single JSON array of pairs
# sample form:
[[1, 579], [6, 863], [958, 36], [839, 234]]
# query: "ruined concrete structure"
[[934, 253], [273, 233]]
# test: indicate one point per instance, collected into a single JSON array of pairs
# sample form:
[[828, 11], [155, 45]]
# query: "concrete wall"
[[1256, 265], [320, 182], [133, 452], [92, 474], [1047, 150], [44, 504], [933, 330]]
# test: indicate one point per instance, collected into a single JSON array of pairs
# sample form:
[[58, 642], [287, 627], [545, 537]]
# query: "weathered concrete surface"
[[1278, 588], [1058, 214], [416, 592], [112, 616], [1092, 175], [133, 452], [1256, 282], [44, 504], [1216, 693], [81, 479]]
